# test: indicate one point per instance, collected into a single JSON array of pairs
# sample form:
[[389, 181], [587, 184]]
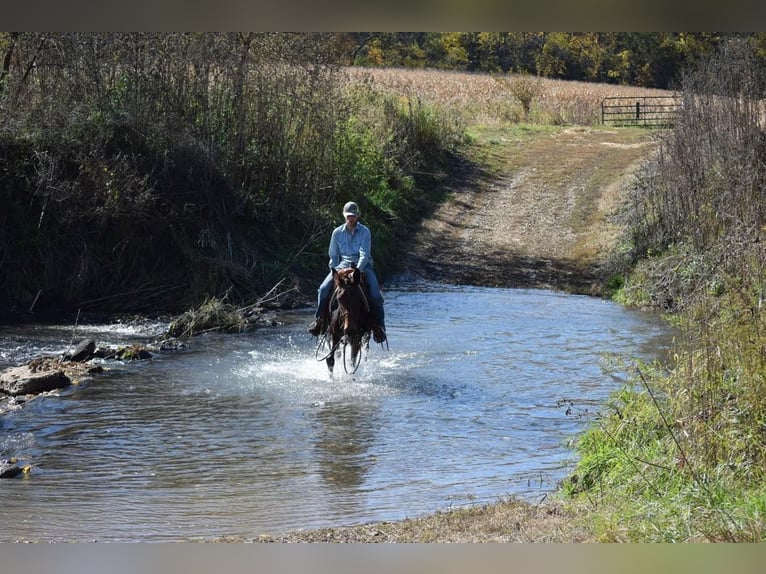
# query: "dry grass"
[[505, 521], [490, 99]]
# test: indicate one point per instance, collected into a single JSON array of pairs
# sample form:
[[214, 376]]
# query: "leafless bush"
[[129, 132], [525, 89], [705, 191]]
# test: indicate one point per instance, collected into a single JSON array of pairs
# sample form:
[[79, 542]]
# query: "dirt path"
[[540, 214]]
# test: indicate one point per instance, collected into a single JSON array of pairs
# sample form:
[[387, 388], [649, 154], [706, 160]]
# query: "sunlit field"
[[475, 98]]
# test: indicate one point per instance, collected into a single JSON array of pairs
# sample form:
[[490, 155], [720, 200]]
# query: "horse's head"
[[353, 305], [346, 277], [351, 319]]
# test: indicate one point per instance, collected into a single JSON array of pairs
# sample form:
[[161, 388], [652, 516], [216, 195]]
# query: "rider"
[[350, 246]]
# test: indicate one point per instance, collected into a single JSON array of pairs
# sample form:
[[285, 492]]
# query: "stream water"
[[479, 396]]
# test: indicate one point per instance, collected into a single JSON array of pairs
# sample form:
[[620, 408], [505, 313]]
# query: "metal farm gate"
[[658, 111]]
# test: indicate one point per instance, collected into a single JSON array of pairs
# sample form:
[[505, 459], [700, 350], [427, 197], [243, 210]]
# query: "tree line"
[[647, 59]]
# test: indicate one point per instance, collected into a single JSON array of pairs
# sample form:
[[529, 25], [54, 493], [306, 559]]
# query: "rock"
[[9, 469], [131, 353], [83, 352], [104, 353], [172, 345], [26, 380], [70, 369]]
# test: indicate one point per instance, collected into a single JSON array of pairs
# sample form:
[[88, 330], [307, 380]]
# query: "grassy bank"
[[680, 455]]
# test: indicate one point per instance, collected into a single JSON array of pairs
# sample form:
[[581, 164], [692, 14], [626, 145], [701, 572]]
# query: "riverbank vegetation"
[[152, 172], [681, 454]]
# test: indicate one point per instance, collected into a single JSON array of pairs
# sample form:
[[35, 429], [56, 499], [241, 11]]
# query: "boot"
[[318, 326]]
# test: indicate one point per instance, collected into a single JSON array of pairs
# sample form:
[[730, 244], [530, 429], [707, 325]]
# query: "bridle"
[[343, 310]]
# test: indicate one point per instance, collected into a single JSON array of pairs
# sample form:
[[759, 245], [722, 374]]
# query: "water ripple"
[[478, 397]]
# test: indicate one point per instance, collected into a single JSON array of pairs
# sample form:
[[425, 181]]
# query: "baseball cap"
[[351, 208]]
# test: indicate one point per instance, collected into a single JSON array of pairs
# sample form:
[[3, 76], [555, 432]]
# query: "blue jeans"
[[376, 297]]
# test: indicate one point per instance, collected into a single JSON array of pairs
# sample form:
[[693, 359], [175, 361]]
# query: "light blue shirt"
[[347, 248]]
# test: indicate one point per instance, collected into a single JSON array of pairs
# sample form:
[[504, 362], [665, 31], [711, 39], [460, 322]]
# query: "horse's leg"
[[330, 360], [334, 338], [355, 347]]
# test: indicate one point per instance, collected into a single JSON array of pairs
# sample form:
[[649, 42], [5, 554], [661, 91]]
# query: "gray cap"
[[351, 208]]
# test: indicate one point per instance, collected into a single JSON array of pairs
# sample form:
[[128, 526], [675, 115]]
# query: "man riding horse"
[[350, 246]]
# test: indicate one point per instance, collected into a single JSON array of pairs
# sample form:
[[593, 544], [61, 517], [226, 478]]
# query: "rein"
[[364, 298]]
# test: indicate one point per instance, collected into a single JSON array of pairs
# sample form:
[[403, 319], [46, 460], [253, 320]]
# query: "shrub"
[[680, 455]]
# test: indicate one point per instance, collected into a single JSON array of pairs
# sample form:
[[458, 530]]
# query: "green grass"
[[680, 454]]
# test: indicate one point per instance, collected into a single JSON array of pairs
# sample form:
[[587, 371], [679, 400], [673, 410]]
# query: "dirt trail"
[[541, 214]]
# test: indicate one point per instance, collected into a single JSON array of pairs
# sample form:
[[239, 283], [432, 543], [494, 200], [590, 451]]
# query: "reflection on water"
[[343, 442], [478, 397]]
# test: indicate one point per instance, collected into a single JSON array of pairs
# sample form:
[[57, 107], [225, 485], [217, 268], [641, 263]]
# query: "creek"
[[479, 396]]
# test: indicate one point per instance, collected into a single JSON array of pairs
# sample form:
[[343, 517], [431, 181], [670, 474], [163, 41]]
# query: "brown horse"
[[351, 321]]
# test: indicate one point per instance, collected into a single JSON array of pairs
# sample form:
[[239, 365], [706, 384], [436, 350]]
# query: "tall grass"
[[146, 171], [681, 454]]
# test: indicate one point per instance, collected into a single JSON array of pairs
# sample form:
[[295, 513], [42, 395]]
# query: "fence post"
[[638, 111]]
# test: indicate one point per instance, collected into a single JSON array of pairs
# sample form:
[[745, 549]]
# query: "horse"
[[351, 321]]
